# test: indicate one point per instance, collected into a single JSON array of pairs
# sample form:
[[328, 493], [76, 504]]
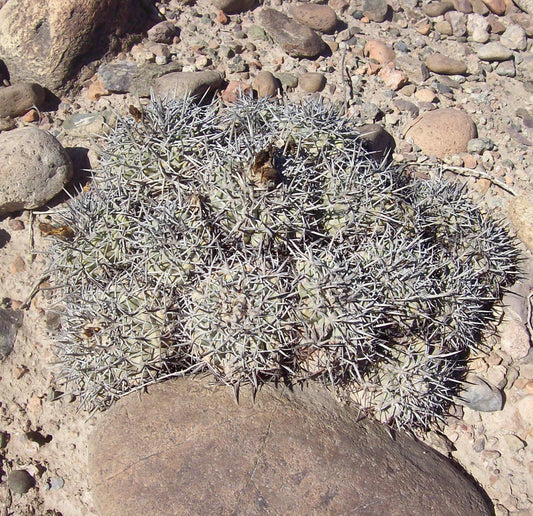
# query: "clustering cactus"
[[263, 242]]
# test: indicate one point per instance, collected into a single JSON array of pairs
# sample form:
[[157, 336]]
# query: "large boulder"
[[186, 447], [46, 41], [35, 167]]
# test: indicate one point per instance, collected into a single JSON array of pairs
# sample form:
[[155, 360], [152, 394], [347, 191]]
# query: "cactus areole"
[[263, 242]]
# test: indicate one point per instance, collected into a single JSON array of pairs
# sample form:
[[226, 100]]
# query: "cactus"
[[263, 242]]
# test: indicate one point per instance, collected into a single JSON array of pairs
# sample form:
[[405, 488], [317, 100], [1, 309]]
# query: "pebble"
[[312, 82], [458, 22], [379, 51], [479, 395], [444, 65], [478, 28], [392, 78], [10, 322], [378, 141], [222, 18], [20, 481], [265, 84], [16, 224], [294, 38], [525, 21], [315, 16], [425, 95], [234, 90], [444, 27], [21, 97], [463, 6], [234, 6], [117, 77], [97, 89], [479, 7], [434, 9], [494, 51], [496, 6], [180, 84], [514, 37], [84, 125], [162, 32], [479, 145], [441, 132], [506, 69], [375, 10], [35, 168], [521, 215], [287, 80]]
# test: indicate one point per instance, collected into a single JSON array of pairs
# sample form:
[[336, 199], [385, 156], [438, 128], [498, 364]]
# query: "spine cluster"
[[263, 242]]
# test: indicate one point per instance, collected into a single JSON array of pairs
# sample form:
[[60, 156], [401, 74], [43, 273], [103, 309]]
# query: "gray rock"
[[35, 167], [162, 32], [293, 37], [287, 80], [525, 5], [234, 6], [84, 125], [463, 6], [458, 22], [506, 69], [21, 97], [478, 394], [445, 65], [10, 322], [494, 51], [186, 447], [256, 32], [47, 41], [525, 21], [435, 9], [479, 145], [478, 28], [146, 74], [375, 10], [180, 84], [117, 77], [514, 37], [20, 481]]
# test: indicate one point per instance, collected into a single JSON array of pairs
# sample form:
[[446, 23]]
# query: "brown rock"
[[441, 132], [295, 39], [162, 32], [317, 17], [234, 6], [463, 6], [521, 215], [496, 6], [234, 90], [187, 448], [18, 99], [444, 65], [180, 84], [97, 89], [265, 84], [435, 9], [222, 18], [425, 95], [312, 82], [379, 51], [31, 116], [393, 78], [48, 40]]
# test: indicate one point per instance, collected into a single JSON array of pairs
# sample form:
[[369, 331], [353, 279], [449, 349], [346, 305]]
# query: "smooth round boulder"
[[445, 65], [35, 167], [265, 84], [317, 17], [21, 97], [441, 132], [186, 447], [181, 84]]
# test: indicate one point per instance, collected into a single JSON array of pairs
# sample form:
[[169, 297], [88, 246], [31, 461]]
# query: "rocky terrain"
[[451, 82]]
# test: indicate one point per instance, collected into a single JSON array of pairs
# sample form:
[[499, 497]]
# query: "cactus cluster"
[[264, 242]]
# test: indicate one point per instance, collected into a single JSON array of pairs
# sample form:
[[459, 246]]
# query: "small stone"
[[222, 18], [294, 38], [19, 372], [287, 80], [83, 125], [35, 168], [480, 145], [378, 141], [21, 97], [162, 32], [425, 95], [444, 65], [521, 215], [444, 27], [234, 6], [496, 6], [441, 132], [478, 28], [494, 51], [525, 21], [434, 9], [458, 22], [265, 84], [97, 89], [393, 78], [18, 265], [56, 483], [479, 395], [180, 84], [312, 82], [375, 10], [379, 51], [20, 481], [16, 224], [514, 38], [315, 16], [31, 116], [235, 90], [479, 7], [423, 27], [117, 77], [506, 69], [469, 161]]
